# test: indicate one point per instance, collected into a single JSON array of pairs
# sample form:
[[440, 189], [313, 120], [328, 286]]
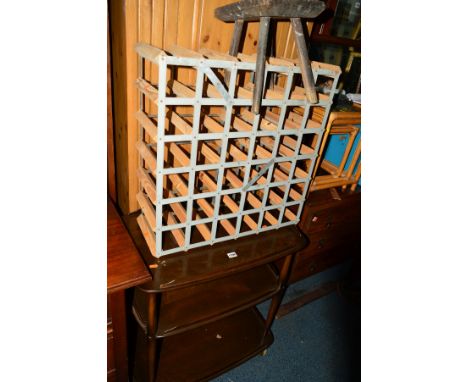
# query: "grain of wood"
[[214, 34], [157, 39], [149, 52], [329, 167], [177, 233], [148, 184], [352, 137], [111, 180], [147, 155], [147, 209], [354, 159], [356, 177], [147, 234], [131, 38], [180, 51], [332, 183], [181, 126], [171, 9], [145, 9], [214, 55], [119, 74], [181, 90], [148, 125]]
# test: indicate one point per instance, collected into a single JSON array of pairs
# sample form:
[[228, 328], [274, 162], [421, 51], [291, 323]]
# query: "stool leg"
[[234, 48], [304, 61], [260, 64]]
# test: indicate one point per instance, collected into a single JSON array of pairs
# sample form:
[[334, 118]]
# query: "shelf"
[[209, 263], [209, 350], [189, 307]]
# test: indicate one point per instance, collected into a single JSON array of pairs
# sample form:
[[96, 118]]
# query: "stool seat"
[[252, 10]]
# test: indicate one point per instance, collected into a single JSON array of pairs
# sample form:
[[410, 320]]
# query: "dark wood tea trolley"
[[197, 318]]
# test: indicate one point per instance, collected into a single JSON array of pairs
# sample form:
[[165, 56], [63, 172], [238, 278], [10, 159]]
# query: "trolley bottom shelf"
[[207, 351]]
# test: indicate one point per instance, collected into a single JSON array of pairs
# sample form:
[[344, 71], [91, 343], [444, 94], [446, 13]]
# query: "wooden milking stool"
[[264, 10]]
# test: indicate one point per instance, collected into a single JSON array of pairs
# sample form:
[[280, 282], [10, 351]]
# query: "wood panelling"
[[123, 22], [111, 186], [162, 23]]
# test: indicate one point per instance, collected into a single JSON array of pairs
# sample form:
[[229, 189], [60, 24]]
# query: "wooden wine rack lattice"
[[214, 171]]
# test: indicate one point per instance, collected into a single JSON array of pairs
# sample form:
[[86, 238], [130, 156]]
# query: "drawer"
[[306, 265], [309, 262], [329, 223], [319, 218], [347, 212], [315, 221], [326, 240], [326, 249], [334, 232]]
